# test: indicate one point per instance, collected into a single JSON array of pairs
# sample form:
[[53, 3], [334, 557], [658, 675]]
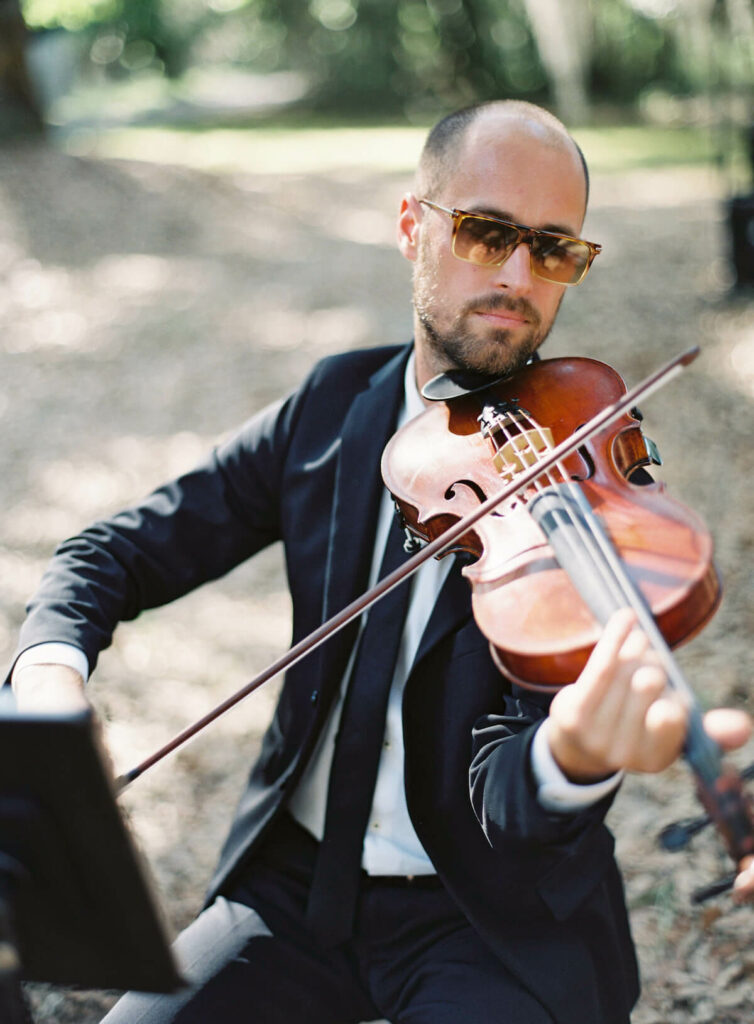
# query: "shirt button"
[[375, 824], [314, 696]]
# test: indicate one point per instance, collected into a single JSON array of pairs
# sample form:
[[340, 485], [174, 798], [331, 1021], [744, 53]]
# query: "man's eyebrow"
[[490, 211]]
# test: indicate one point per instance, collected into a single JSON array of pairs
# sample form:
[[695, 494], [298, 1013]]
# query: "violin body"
[[443, 464]]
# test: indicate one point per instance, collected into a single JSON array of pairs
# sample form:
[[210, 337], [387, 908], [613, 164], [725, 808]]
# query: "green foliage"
[[384, 55], [630, 50], [69, 14], [407, 57]]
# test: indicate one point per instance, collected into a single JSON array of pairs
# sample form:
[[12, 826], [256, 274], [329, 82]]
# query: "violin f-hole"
[[478, 492]]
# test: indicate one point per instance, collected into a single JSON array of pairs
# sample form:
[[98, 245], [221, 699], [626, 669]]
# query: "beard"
[[497, 353], [465, 344]]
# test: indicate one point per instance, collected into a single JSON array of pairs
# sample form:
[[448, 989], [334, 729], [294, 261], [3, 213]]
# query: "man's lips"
[[502, 316]]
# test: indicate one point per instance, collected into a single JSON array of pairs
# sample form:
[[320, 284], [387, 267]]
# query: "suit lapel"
[[358, 488]]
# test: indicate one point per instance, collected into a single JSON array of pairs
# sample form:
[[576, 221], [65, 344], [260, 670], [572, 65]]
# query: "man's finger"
[[600, 673], [665, 730], [728, 727], [743, 887]]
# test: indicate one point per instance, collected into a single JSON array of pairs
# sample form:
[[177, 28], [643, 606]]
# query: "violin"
[[518, 476], [543, 585]]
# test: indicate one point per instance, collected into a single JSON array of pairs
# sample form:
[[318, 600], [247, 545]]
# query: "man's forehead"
[[495, 128], [500, 145]]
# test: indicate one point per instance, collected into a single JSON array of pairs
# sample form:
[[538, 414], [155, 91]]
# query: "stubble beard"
[[498, 354], [492, 352]]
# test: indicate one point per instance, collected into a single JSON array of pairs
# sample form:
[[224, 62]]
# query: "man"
[[418, 840]]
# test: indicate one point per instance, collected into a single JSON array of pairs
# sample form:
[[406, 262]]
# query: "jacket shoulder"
[[352, 369]]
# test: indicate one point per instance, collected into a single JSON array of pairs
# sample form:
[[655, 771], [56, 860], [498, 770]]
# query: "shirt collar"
[[413, 403]]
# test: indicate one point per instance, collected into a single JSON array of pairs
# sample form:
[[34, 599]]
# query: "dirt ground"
[[145, 309]]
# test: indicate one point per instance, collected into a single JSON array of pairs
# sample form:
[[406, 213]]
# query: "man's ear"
[[409, 226]]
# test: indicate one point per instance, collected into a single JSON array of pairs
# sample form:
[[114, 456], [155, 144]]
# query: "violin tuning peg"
[[653, 451], [678, 835], [706, 892], [674, 837]]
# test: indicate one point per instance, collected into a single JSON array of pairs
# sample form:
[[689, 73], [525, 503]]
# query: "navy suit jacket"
[[542, 889]]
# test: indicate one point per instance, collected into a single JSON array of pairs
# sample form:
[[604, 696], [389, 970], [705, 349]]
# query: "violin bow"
[[333, 625]]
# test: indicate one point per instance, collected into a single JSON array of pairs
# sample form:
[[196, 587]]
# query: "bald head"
[[445, 143]]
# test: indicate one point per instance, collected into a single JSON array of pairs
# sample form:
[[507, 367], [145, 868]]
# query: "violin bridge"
[[521, 451], [516, 438]]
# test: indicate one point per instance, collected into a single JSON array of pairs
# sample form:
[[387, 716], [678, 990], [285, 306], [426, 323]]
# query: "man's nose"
[[515, 274]]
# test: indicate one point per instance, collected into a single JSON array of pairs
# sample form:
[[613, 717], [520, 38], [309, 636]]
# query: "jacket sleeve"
[[502, 785], [191, 530]]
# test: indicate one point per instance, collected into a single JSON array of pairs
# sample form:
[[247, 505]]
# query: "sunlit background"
[[197, 201]]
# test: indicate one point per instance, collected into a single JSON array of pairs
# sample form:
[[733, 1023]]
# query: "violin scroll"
[[729, 807]]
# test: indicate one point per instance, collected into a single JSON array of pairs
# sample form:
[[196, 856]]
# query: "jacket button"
[[314, 697]]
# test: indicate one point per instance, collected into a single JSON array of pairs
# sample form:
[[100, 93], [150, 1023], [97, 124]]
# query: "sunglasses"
[[489, 241]]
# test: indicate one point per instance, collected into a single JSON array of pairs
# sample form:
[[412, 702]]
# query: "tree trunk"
[[562, 32], [19, 110]]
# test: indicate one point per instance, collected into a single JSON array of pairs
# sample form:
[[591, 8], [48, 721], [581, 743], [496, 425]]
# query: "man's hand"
[[620, 715], [49, 688]]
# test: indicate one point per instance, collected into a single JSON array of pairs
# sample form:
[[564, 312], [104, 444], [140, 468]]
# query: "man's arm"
[[618, 716], [191, 530]]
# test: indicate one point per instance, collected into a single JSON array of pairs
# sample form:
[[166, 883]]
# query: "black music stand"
[[75, 906]]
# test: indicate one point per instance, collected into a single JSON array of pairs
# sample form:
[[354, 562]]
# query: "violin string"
[[584, 526], [607, 562], [585, 534]]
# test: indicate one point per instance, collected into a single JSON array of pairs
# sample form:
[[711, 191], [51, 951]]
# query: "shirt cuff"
[[54, 654], [554, 791]]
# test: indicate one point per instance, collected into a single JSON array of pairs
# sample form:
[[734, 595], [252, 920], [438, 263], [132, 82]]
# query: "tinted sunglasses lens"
[[483, 241], [563, 260]]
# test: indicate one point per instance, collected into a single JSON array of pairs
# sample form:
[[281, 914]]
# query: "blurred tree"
[[632, 49], [382, 56], [417, 57], [564, 41], [19, 111]]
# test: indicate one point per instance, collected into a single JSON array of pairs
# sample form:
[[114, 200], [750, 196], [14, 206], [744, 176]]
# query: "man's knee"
[[203, 952]]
